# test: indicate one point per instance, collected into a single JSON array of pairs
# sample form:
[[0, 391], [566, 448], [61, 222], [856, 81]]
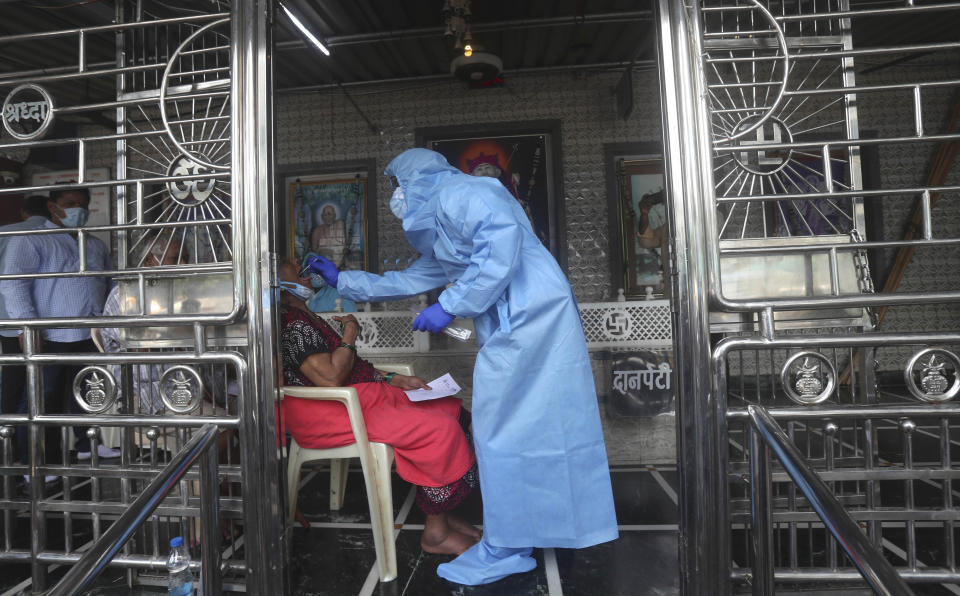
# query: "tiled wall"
[[906, 165], [325, 127]]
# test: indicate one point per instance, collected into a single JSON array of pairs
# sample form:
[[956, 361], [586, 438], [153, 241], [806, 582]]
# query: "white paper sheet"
[[440, 387]]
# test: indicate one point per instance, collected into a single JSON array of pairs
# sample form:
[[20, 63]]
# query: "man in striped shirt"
[[55, 297]]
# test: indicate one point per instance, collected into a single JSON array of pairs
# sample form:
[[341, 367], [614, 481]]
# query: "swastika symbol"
[[764, 162], [616, 324]]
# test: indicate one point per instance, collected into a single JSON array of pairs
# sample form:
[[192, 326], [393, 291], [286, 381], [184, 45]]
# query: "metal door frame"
[[253, 272], [252, 168], [702, 410], [688, 175]]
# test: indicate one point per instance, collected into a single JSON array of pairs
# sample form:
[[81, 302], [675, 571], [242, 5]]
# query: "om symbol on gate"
[[189, 192]]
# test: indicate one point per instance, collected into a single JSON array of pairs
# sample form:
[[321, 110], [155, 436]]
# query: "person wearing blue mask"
[[539, 444], [34, 215], [50, 297], [325, 297]]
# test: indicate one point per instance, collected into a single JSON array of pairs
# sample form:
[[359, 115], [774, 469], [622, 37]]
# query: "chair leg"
[[301, 518], [383, 459], [338, 482], [293, 477]]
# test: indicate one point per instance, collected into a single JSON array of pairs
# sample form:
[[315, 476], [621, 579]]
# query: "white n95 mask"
[[398, 203]]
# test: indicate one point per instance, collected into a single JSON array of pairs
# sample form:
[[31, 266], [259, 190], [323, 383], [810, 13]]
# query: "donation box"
[[642, 383]]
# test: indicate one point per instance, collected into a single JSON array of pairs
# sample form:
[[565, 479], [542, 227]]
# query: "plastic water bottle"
[[180, 582]]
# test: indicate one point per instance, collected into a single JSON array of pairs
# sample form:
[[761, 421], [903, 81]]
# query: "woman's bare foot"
[[463, 526], [454, 543], [440, 537]]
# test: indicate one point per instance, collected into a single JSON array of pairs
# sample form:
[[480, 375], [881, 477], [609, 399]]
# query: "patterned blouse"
[[301, 336]]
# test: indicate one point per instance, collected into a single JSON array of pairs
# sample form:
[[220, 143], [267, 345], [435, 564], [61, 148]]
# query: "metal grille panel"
[[606, 325], [770, 105], [174, 223], [627, 324]]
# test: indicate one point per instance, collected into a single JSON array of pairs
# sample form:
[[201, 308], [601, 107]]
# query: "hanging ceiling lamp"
[[456, 18]]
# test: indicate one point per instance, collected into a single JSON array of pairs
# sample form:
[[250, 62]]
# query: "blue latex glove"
[[483, 563], [325, 267], [432, 319]]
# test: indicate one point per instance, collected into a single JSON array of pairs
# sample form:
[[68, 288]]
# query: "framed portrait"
[[638, 208], [327, 212], [523, 156]]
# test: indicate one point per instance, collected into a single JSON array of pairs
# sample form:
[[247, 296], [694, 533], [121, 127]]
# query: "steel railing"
[[766, 436], [82, 575]]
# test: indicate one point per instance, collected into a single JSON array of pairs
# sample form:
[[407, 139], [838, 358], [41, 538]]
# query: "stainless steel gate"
[[765, 103], [188, 158]]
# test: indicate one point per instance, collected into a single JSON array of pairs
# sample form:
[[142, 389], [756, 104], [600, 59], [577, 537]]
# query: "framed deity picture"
[[523, 156], [638, 208], [328, 213]]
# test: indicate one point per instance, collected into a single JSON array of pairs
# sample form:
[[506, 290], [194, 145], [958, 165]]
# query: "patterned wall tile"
[[324, 127], [906, 165]]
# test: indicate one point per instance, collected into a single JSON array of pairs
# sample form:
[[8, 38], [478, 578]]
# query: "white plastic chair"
[[376, 460]]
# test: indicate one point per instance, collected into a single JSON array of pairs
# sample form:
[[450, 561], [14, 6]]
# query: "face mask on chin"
[[74, 217], [302, 292]]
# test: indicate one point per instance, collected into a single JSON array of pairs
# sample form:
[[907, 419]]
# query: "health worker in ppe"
[[539, 444]]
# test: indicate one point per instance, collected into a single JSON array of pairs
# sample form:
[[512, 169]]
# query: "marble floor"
[[642, 561]]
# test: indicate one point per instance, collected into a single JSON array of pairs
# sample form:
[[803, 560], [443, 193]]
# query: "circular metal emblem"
[[616, 324], [928, 375], [95, 389], [28, 112], [764, 162], [181, 389], [193, 192], [808, 378]]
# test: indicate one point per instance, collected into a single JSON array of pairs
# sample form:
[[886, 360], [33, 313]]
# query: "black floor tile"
[[12, 574], [314, 498], [335, 562], [639, 499], [636, 563], [347, 555], [417, 576], [330, 561], [672, 478]]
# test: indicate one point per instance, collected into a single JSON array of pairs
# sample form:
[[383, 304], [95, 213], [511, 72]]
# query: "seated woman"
[[429, 443]]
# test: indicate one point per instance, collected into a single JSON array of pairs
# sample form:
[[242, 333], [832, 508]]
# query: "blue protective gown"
[[539, 444]]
